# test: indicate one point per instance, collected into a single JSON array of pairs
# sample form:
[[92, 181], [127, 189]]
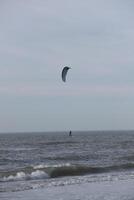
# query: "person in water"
[[70, 133]]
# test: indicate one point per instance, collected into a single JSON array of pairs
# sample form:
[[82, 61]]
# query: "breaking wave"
[[59, 170], [38, 174]]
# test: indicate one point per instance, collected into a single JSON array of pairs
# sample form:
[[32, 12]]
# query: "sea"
[[49, 161]]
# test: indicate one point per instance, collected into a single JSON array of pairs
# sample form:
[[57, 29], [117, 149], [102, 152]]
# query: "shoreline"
[[110, 190]]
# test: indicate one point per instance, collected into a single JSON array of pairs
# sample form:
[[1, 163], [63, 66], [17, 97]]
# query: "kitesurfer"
[[70, 133]]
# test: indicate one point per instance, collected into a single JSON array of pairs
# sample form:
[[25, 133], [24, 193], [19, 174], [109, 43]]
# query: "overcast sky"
[[39, 37]]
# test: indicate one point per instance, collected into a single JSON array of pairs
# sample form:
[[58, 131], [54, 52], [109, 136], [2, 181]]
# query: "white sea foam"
[[41, 166], [17, 177], [38, 174], [113, 190]]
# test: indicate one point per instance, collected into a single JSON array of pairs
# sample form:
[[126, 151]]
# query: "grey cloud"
[[39, 37]]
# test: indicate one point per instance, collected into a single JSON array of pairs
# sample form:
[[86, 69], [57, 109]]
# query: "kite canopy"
[[64, 73]]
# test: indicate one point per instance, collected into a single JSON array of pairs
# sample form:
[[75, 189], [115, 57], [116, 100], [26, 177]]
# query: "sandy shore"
[[112, 190]]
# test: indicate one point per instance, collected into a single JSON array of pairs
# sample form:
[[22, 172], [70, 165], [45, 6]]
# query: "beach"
[[113, 190]]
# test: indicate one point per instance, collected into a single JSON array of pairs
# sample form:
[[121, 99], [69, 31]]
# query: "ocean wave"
[[38, 174], [59, 170], [74, 170], [49, 165]]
